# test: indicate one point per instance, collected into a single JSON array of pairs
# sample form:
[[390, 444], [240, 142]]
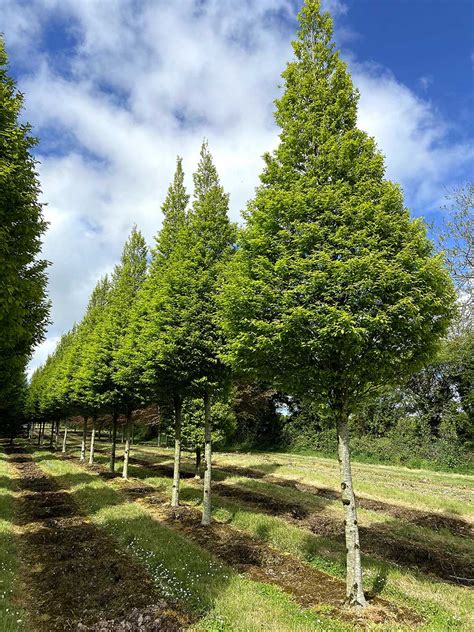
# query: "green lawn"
[[220, 598]]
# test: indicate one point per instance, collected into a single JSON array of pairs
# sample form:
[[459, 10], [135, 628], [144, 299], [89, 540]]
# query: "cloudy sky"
[[115, 89]]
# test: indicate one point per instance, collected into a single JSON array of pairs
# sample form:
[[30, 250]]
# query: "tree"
[[179, 338], [457, 241], [258, 422], [24, 308], [211, 237], [334, 290], [85, 398], [104, 351], [139, 358]]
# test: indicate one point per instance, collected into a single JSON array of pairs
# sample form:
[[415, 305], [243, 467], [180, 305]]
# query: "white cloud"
[[412, 135], [146, 81], [42, 352]]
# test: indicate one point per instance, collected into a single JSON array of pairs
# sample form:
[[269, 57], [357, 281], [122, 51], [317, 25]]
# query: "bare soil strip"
[[436, 521], [310, 588], [73, 577]]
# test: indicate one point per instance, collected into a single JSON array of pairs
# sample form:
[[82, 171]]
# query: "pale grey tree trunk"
[[126, 451], [65, 437], [114, 442], [158, 438], [197, 469], [56, 435], [354, 586], [84, 440], [206, 503], [51, 436], [40, 432], [177, 451], [92, 445]]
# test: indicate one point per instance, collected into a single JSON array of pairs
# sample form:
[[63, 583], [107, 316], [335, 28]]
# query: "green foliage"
[[174, 216], [175, 328], [223, 423], [457, 242], [84, 396], [23, 305], [334, 290], [103, 357], [258, 422]]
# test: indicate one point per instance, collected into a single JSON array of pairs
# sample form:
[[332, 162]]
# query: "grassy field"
[[274, 559]]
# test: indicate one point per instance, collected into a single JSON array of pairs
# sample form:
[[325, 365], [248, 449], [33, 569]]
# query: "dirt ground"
[[377, 539], [310, 588], [435, 521], [73, 577]]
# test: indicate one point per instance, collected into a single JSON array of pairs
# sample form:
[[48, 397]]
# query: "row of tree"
[[330, 291], [149, 333], [23, 305]]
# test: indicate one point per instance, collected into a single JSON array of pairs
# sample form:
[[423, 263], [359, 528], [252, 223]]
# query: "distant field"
[[273, 559]]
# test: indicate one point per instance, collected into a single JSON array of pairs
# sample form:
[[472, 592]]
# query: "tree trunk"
[[84, 440], [206, 503], [91, 449], [126, 452], [177, 451], [158, 438], [39, 432], [354, 587], [114, 442], [197, 470], [56, 434], [65, 438], [51, 436]]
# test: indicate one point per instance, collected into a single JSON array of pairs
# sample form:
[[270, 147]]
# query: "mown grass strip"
[[445, 606], [184, 571], [12, 618]]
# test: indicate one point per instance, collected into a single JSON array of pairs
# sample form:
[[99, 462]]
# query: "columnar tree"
[[85, 399], [140, 357], [104, 359], [23, 305], [334, 290], [210, 237]]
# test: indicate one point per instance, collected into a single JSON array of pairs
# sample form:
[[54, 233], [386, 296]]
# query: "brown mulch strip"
[[378, 540], [311, 588], [73, 576]]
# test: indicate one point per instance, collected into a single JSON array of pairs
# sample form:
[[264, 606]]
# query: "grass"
[[183, 571], [11, 617], [444, 606]]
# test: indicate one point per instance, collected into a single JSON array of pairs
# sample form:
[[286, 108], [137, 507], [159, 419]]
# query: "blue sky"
[[116, 89]]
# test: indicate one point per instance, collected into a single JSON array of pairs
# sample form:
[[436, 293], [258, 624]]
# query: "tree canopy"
[[24, 307]]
